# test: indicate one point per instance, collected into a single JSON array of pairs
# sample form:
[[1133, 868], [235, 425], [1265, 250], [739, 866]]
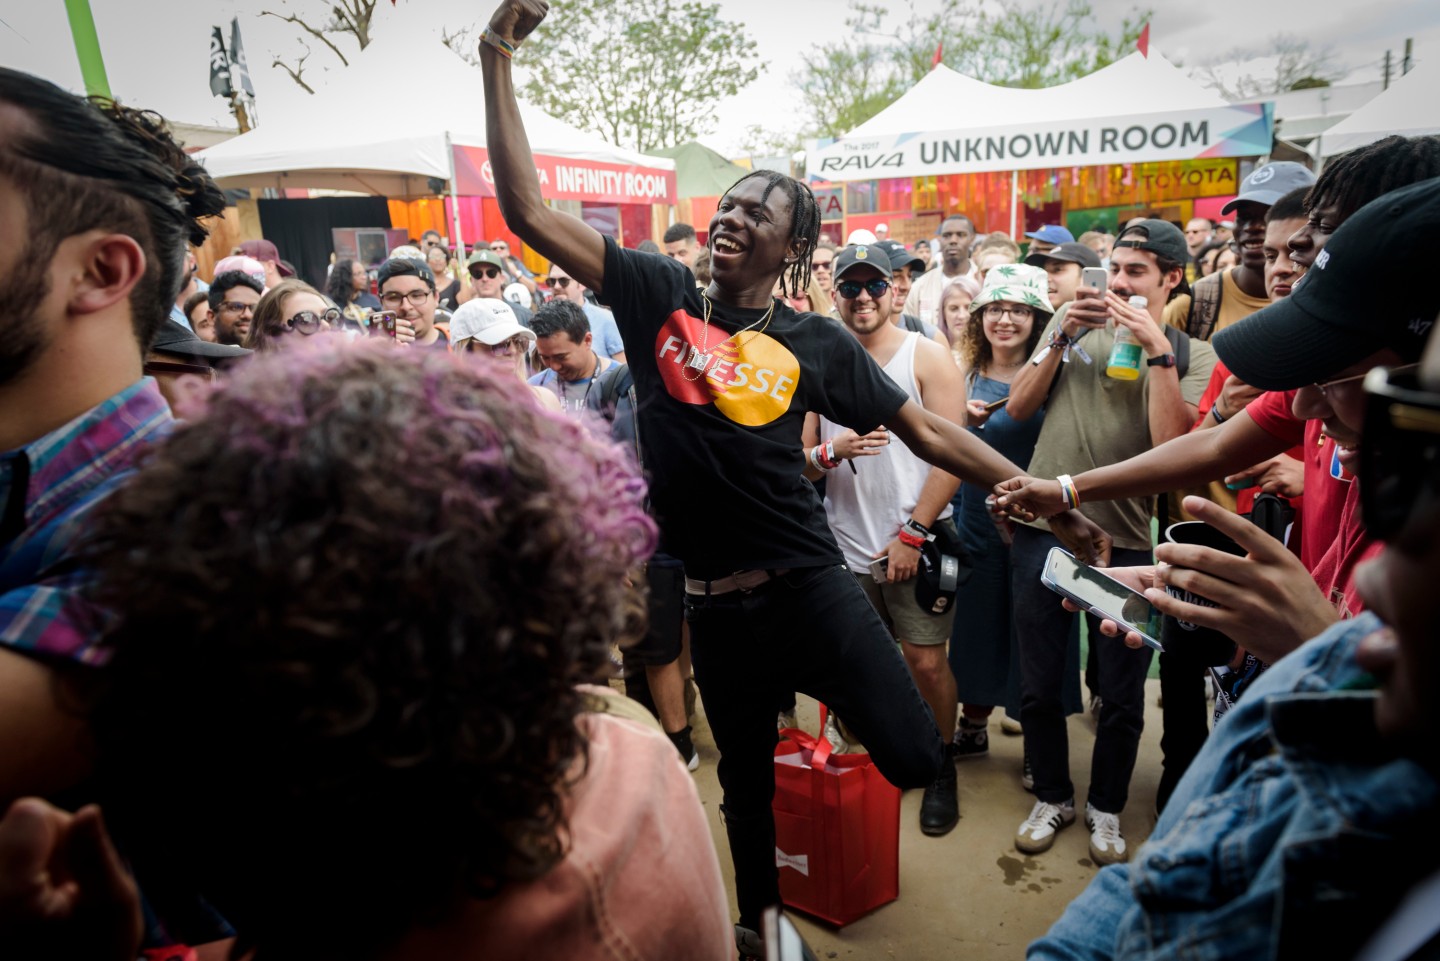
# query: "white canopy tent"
[[1134, 85], [1409, 108], [367, 129], [1137, 109]]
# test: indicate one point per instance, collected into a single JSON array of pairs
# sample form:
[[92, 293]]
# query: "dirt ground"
[[969, 894]]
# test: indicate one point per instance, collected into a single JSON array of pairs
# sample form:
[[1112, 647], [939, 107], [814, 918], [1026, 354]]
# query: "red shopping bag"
[[837, 829]]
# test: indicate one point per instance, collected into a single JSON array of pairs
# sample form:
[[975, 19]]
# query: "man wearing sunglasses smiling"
[[488, 279]]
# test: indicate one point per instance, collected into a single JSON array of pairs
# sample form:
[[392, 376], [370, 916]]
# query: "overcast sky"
[[159, 60]]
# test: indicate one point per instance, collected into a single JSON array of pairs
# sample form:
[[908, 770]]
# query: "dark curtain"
[[300, 229]]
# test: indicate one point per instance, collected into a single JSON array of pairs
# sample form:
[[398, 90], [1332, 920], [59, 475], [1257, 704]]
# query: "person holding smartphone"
[[1090, 420]]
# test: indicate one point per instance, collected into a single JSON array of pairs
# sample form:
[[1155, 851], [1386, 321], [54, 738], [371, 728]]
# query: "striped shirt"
[[48, 492]]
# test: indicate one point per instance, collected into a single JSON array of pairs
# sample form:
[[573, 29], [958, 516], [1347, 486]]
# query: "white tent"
[[945, 99], [1409, 108], [369, 128]]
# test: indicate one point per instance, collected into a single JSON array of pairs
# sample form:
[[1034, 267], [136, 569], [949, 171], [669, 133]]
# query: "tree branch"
[[318, 35]]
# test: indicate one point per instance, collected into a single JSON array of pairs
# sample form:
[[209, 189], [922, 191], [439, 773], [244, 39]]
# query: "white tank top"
[[867, 507]]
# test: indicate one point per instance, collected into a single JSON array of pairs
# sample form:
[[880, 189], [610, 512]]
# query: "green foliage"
[[1001, 42], [645, 74]]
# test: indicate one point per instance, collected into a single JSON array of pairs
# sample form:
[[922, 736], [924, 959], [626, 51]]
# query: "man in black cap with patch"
[[889, 491], [1062, 266]]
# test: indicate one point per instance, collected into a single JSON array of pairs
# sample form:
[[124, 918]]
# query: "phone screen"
[[1101, 593]]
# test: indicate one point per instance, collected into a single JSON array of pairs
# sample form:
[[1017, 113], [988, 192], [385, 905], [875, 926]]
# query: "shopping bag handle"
[[820, 748]]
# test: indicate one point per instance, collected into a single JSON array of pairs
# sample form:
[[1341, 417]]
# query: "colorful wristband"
[[910, 540], [817, 454], [1069, 491], [505, 48]]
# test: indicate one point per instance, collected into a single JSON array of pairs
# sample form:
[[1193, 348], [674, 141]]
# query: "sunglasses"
[[850, 289], [1399, 469], [308, 322], [561, 282], [821, 264], [489, 273]]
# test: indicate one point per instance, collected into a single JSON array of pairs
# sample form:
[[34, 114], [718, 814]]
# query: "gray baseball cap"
[[1269, 183]]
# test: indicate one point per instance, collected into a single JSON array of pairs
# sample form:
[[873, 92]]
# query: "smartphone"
[[1102, 595], [880, 568], [997, 404], [1095, 278], [383, 322]]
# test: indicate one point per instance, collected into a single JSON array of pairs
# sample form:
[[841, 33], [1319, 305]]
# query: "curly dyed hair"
[[353, 643]]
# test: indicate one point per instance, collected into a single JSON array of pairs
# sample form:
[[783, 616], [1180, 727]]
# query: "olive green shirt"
[[1092, 420]]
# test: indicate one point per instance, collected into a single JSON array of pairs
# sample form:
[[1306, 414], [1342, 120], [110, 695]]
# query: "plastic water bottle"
[[1126, 355]]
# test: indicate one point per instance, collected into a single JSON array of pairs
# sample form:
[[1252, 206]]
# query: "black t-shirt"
[[723, 448]]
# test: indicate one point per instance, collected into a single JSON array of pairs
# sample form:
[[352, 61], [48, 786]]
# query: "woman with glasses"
[[1004, 325], [291, 308], [487, 328], [446, 280]]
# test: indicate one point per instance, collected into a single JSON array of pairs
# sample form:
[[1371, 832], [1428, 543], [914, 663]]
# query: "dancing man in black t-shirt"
[[724, 378]]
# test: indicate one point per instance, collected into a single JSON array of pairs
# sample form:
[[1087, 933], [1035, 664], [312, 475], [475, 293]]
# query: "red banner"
[[566, 179]]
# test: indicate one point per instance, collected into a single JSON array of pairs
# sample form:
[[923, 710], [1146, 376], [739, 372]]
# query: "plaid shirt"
[[48, 493]]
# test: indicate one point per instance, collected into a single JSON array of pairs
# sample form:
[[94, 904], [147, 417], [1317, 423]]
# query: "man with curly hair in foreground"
[[360, 651]]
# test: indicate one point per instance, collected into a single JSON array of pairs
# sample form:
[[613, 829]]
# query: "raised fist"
[[515, 20]]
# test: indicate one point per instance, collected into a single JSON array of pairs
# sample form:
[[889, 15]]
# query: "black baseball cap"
[[1365, 292], [403, 266], [172, 338], [1157, 236], [1070, 253], [900, 255], [871, 255]]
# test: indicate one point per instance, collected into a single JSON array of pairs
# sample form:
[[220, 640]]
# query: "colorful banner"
[[563, 178], [1237, 131]]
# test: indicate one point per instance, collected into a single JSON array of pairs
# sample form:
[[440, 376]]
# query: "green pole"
[[87, 47]]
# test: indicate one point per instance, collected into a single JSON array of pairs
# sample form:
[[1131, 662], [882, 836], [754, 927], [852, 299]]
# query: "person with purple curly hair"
[[364, 646]]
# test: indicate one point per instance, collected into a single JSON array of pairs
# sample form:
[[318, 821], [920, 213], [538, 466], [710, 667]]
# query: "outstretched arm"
[[566, 240]]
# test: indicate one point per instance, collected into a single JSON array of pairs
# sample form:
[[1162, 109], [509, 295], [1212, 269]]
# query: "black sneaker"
[[940, 810], [971, 741], [1027, 778], [688, 754]]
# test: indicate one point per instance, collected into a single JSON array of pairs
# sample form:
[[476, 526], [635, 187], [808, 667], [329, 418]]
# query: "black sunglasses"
[[561, 282], [489, 273], [850, 289], [1399, 470]]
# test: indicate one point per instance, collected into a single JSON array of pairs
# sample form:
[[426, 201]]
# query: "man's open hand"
[[515, 20]]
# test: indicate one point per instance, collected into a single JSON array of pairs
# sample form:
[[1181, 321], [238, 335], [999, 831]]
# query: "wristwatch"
[[1164, 360]]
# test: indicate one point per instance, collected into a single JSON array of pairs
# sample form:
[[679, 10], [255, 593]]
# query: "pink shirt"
[[640, 880]]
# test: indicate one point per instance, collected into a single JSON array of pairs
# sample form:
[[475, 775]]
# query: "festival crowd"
[[316, 605]]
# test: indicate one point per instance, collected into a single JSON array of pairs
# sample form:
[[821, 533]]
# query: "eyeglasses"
[[507, 347], [153, 367], [489, 273], [1324, 386], [821, 264], [1399, 470], [850, 289], [235, 307], [561, 282], [308, 322], [1016, 312], [416, 298]]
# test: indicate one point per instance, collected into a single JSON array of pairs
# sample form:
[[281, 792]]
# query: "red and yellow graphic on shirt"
[[750, 377]]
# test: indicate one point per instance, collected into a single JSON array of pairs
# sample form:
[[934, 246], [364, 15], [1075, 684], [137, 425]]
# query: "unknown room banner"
[[1235, 131]]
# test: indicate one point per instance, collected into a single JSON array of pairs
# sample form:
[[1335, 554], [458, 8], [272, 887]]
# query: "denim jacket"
[[1292, 835]]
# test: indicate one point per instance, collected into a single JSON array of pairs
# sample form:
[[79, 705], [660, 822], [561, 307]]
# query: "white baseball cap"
[[861, 236], [488, 320]]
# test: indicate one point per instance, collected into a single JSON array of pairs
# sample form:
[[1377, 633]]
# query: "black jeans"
[[1185, 720], [1042, 626], [810, 630]]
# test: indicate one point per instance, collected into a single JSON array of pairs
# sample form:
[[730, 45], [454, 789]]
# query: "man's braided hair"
[[804, 223]]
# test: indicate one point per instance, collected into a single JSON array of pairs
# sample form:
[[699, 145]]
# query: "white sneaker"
[[1045, 821], [1107, 844], [1010, 726]]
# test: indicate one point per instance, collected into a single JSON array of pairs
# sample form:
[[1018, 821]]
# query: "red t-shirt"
[[1245, 497], [1335, 571], [1325, 487]]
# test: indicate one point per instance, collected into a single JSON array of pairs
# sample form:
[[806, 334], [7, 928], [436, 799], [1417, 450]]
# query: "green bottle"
[[1126, 355]]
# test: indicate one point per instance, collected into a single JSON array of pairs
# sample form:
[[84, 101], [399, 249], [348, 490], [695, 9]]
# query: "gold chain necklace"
[[699, 360]]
